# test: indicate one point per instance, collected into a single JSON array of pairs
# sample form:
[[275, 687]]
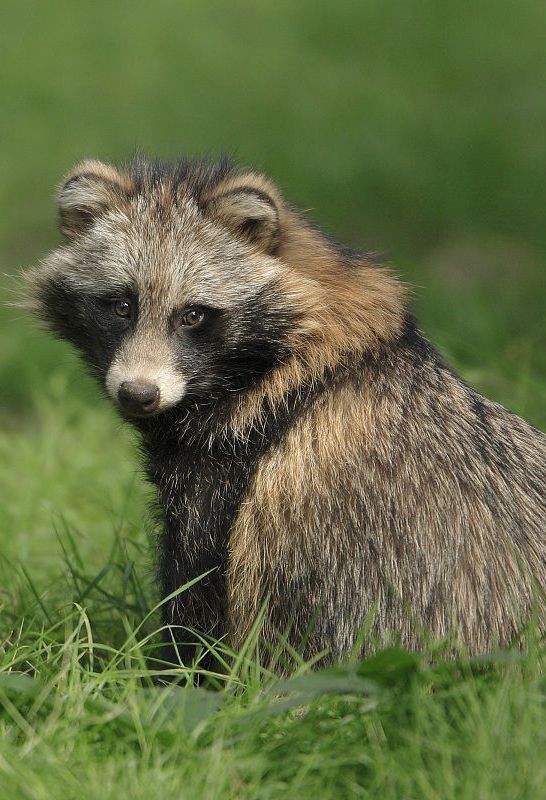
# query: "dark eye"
[[192, 317], [122, 308]]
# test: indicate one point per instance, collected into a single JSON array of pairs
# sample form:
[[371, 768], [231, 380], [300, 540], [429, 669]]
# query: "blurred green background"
[[417, 129]]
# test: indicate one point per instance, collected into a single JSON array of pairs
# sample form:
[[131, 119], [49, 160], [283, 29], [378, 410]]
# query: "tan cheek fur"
[[343, 309], [364, 311]]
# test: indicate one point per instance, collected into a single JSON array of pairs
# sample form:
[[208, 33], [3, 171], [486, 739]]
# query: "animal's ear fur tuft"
[[249, 210], [87, 192]]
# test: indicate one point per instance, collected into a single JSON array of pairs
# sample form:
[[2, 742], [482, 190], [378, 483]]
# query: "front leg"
[[196, 612]]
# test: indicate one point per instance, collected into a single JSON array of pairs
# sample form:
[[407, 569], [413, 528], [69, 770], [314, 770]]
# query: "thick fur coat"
[[311, 450]]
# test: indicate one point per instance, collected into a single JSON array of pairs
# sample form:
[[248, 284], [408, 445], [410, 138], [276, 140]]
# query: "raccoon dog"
[[312, 452]]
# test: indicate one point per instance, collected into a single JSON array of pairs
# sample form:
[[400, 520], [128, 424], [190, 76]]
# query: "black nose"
[[139, 397]]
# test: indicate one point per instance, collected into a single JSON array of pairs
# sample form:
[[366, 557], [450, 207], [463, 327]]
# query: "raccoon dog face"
[[168, 282]]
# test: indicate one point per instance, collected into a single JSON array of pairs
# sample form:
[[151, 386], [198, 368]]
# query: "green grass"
[[409, 127], [82, 717]]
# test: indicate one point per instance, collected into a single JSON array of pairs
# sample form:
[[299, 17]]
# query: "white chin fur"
[[172, 387]]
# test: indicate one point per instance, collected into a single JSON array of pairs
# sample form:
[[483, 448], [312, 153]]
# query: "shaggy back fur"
[[311, 450]]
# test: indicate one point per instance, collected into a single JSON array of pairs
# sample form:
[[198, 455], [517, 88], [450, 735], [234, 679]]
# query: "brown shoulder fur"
[[401, 490]]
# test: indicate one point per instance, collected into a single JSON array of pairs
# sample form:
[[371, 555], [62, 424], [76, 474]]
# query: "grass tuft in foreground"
[[82, 715]]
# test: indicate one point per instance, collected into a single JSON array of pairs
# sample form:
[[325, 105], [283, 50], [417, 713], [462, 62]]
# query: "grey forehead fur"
[[158, 242], [199, 176]]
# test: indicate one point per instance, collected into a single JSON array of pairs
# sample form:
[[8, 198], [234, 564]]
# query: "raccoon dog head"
[[169, 282]]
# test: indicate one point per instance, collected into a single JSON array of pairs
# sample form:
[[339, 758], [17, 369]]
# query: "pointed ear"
[[249, 211], [89, 190]]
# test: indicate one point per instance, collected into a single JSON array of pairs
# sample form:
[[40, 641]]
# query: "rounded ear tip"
[[92, 170], [88, 190], [249, 213], [68, 182]]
